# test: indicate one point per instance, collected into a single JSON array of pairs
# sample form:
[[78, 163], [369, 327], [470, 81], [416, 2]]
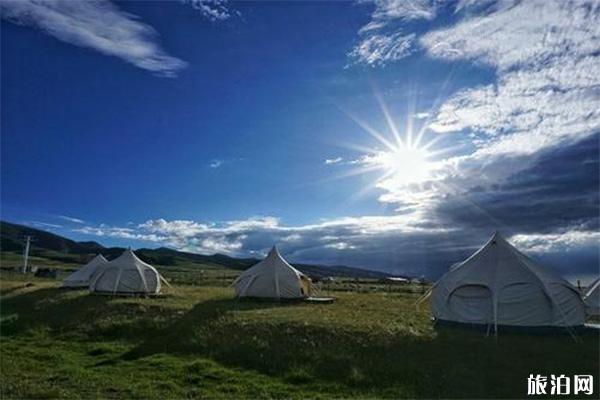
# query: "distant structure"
[[26, 253], [395, 280], [322, 279]]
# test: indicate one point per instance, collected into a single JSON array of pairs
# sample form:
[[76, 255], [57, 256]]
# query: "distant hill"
[[12, 236], [58, 248]]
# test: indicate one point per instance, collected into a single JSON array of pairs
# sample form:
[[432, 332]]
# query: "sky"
[[391, 135]]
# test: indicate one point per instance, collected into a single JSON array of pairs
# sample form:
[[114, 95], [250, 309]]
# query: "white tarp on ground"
[[273, 278], [592, 298], [81, 277], [499, 285], [126, 274]]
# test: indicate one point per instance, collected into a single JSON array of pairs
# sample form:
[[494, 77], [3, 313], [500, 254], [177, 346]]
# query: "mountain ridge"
[[57, 247]]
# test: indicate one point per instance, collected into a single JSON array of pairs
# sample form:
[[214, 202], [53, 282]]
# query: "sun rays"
[[404, 164], [400, 155], [414, 164]]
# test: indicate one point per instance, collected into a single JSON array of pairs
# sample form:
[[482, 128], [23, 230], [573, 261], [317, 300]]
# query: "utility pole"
[[26, 254]]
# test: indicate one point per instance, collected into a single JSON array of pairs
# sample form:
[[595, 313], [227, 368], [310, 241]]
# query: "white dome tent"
[[592, 298], [81, 277], [500, 286], [272, 278], [127, 275]]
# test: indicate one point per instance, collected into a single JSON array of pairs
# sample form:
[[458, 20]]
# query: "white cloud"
[[216, 163], [42, 224], [335, 160], [96, 24], [524, 34], [215, 10], [71, 219], [389, 10], [556, 242], [291, 238], [122, 233], [381, 49], [474, 5], [548, 88], [381, 43], [182, 228], [211, 245], [340, 246], [251, 224], [220, 162], [254, 235]]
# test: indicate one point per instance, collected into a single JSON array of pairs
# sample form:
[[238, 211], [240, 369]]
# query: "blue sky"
[[227, 127]]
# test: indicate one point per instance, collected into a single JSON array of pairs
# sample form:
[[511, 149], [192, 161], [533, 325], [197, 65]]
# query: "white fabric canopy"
[[81, 277], [592, 298], [126, 274], [273, 278], [499, 285]]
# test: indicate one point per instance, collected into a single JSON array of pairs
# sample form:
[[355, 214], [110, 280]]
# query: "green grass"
[[198, 342], [15, 260]]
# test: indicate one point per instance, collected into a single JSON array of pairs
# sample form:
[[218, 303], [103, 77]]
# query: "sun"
[[405, 164], [404, 159]]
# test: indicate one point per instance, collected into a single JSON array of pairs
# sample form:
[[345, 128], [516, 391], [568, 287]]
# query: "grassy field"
[[198, 342]]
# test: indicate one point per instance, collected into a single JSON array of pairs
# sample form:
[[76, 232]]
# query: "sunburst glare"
[[405, 158], [404, 164]]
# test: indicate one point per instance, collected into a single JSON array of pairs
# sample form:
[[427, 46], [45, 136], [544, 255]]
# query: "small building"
[[395, 280]]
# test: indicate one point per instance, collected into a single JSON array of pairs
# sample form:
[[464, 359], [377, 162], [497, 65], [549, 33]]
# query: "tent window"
[[471, 303]]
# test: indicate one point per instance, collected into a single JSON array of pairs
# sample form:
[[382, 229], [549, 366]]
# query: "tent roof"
[[128, 259], [84, 273], [99, 259], [504, 250], [271, 262], [593, 288]]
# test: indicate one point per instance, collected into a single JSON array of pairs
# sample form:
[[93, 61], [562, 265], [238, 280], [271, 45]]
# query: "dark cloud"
[[560, 190]]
